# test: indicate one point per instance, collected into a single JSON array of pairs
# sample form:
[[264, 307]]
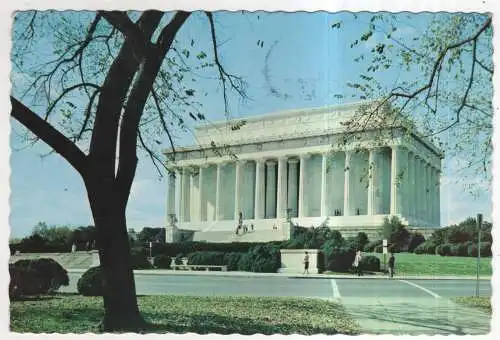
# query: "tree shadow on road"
[[438, 316]]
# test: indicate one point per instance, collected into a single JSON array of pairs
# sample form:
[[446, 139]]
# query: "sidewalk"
[[423, 316], [291, 275]]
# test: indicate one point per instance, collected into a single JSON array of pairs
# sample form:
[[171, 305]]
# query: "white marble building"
[[291, 162]]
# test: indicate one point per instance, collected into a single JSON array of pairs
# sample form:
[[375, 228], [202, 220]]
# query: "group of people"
[[356, 263], [241, 226]]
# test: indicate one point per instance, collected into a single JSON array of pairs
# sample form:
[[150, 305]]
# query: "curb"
[[291, 276]]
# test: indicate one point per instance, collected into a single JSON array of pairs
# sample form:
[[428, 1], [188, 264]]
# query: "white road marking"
[[421, 288], [335, 289]]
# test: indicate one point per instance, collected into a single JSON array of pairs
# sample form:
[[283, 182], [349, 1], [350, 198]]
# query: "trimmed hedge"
[[416, 239], [173, 249], [231, 260], [39, 276], [92, 282], [139, 259], [162, 261], [370, 263], [215, 258]]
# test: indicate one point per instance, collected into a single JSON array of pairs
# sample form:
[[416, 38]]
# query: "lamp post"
[[479, 221]]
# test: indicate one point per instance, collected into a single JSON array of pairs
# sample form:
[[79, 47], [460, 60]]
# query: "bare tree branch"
[[222, 72], [46, 132], [65, 92]]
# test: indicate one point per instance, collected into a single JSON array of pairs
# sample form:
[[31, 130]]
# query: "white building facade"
[[289, 166]]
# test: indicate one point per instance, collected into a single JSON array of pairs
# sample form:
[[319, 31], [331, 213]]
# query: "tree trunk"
[[121, 312]]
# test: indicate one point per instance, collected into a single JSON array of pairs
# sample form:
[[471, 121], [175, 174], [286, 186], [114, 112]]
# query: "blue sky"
[[309, 63]]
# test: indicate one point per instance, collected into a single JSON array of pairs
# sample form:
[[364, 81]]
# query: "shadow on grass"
[[214, 323]]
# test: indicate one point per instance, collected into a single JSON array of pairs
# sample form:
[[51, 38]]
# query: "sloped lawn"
[[435, 265]]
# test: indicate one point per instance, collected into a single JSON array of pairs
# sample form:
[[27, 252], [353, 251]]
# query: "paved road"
[[283, 286], [380, 306]]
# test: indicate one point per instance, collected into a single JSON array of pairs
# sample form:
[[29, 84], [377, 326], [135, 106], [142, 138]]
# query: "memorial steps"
[[77, 260]]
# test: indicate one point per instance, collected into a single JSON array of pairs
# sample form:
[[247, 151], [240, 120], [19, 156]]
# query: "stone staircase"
[[77, 260], [225, 236]]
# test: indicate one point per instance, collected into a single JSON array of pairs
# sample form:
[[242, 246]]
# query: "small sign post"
[[384, 250], [479, 222]]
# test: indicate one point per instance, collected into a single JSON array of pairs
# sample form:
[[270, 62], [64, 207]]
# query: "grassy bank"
[[412, 264], [180, 314], [483, 303]]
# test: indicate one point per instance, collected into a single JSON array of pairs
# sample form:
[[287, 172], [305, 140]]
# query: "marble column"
[[324, 193], [259, 207], [271, 189], [396, 185], [372, 173], [218, 193], [347, 184], [186, 195], [432, 196], [411, 186], [428, 216], [292, 194], [281, 190], [438, 197], [201, 192], [171, 193], [193, 195], [237, 189], [420, 191], [303, 206]]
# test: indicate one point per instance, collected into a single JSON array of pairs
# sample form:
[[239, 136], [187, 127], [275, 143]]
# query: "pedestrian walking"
[[391, 264], [306, 263], [357, 263]]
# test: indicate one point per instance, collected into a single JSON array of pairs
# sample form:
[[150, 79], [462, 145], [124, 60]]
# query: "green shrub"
[[416, 239], [338, 257], [370, 246], [174, 249], [244, 263], [162, 261], [378, 248], [370, 263], [92, 282], [443, 249], [262, 259], [427, 247], [50, 275], [139, 259], [231, 260], [485, 249], [213, 258], [24, 282]]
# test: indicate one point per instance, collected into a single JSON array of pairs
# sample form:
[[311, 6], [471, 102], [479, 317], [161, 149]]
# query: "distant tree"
[[149, 234], [395, 232]]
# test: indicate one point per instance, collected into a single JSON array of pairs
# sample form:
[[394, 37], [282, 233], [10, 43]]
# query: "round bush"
[[92, 282], [25, 282], [261, 259], [378, 248], [50, 274], [370, 263], [231, 260], [162, 261], [444, 249]]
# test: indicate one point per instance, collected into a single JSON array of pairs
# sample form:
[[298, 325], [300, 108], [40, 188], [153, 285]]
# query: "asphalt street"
[[379, 306], [298, 287]]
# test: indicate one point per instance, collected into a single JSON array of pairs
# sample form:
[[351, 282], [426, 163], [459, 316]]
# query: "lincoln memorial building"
[[272, 172]]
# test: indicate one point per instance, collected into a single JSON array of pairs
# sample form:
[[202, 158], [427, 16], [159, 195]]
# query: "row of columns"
[[414, 188]]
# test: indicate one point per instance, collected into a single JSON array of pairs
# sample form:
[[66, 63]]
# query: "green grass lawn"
[[179, 314], [483, 303], [413, 264]]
